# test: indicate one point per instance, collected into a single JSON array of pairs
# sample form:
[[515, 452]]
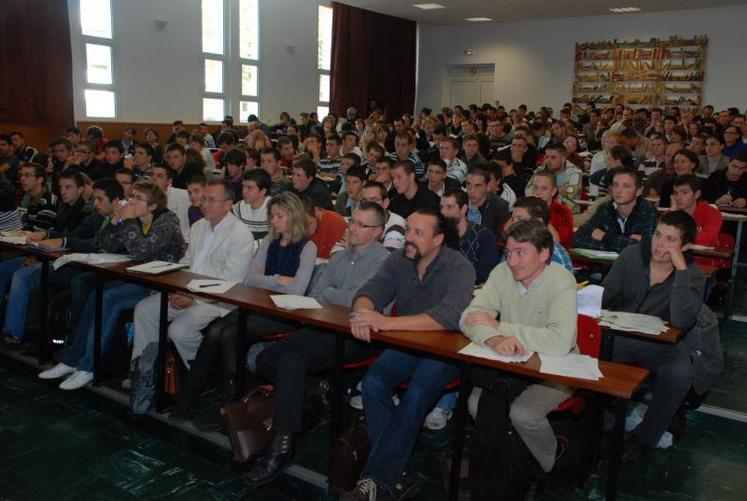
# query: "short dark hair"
[[284, 140], [184, 133], [154, 131], [111, 188], [60, 140], [354, 157], [479, 170], [357, 171], [335, 138], [534, 232], [378, 211], [385, 160], [225, 138], [176, 147], [147, 147], [270, 151], [227, 190], [406, 165], [617, 171], [259, 176], [39, 169], [557, 147], [234, 157], [197, 179], [536, 207], [458, 195], [684, 222], [740, 156], [170, 172], [95, 131], [382, 189], [690, 180], [6, 138], [443, 226], [126, 172], [438, 163], [689, 155], [113, 143], [75, 176], [307, 165], [623, 154]]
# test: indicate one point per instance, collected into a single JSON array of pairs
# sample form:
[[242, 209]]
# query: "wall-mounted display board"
[[639, 73]]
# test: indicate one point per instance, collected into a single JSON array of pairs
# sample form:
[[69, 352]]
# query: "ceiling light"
[[625, 10], [477, 19], [429, 6]]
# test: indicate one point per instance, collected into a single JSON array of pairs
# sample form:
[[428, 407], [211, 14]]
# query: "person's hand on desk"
[[283, 280], [476, 318], [52, 243], [740, 203], [598, 234], [180, 301], [36, 236], [506, 346], [362, 322], [724, 200]]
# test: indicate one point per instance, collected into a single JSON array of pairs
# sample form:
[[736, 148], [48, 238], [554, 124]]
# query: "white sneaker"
[[77, 380], [58, 371], [437, 419], [356, 402]]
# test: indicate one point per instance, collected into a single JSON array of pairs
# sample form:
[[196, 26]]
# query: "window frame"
[[321, 71], [85, 40], [223, 58]]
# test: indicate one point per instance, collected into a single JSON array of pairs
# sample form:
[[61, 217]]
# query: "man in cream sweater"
[[536, 301]]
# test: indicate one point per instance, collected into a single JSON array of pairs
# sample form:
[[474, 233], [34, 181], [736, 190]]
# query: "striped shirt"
[[255, 219]]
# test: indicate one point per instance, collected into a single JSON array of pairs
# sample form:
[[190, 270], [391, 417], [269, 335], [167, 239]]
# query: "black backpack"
[[499, 460]]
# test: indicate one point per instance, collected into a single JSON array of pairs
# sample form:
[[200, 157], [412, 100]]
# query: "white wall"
[[534, 59], [158, 75]]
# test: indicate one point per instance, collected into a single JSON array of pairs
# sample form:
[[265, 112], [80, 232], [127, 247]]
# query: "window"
[[231, 73], [213, 43], [96, 28], [324, 59]]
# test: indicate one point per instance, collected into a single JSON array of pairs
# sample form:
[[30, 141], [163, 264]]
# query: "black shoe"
[[268, 467], [404, 489], [633, 450]]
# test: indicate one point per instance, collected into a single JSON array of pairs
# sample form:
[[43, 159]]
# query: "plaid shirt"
[[642, 221]]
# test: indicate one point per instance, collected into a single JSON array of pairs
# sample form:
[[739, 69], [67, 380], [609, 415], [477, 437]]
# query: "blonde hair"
[[289, 203]]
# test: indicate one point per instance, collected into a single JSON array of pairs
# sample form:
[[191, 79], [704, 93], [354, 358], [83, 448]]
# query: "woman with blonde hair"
[[284, 263]]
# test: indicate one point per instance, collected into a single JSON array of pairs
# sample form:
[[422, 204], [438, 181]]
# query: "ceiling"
[[514, 10]]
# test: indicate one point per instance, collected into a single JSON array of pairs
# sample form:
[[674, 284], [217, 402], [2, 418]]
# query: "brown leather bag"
[[249, 423], [349, 455]]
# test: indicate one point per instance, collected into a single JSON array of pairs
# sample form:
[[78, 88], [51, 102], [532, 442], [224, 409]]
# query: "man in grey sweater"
[[658, 279], [287, 362]]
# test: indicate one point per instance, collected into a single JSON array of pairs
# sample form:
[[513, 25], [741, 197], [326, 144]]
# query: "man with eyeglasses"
[[84, 161], [290, 361]]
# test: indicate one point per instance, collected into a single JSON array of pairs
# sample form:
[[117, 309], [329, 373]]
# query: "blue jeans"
[[118, 297], [18, 300], [392, 429], [448, 401], [7, 269]]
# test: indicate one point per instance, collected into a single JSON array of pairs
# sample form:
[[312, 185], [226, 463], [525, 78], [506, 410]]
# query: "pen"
[[161, 266], [208, 285]]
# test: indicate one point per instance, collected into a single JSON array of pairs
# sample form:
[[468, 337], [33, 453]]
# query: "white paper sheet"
[[294, 302], [156, 267], [597, 254], [14, 240], [212, 285], [589, 301], [633, 322], [476, 350], [571, 365], [79, 257]]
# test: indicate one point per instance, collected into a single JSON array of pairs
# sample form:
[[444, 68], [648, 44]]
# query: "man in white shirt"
[[221, 247], [178, 199], [252, 210]]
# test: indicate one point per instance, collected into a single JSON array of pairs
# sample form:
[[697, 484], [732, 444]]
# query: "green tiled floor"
[[729, 391]]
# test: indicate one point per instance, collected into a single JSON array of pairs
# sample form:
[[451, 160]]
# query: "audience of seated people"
[[412, 213]]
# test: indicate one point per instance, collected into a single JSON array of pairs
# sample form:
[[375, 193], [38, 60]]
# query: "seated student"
[[84, 161], [430, 284], [374, 151], [142, 160], [283, 263], [448, 148], [476, 242], [175, 157], [687, 197], [685, 163], [485, 208], [404, 145], [269, 161], [198, 144], [324, 227], [438, 181], [288, 362], [220, 247], [411, 195], [350, 198], [394, 226], [177, 198], [147, 231], [382, 173], [536, 301], [306, 184], [471, 151], [10, 216], [656, 179], [561, 220], [234, 162], [568, 176], [331, 163], [497, 186], [195, 189], [714, 159], [113, 156], [626, 219], [655, 160], [729, 186], [535, 209], [660, 279], [618, 156], [126, 178], [348, 160], [252, 209]]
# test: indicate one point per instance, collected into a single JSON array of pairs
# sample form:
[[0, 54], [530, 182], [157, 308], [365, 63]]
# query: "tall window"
[[324, 59], [96, 28], [213, 52], [249, 57]]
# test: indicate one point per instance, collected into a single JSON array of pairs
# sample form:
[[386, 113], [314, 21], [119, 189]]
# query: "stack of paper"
[[156, 267], [589, 301], [597, 254], [700, 247], [211, 285], [293, 302], [13, 240], [633, 322], [78, 257], [479, 351], [571, 365]]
